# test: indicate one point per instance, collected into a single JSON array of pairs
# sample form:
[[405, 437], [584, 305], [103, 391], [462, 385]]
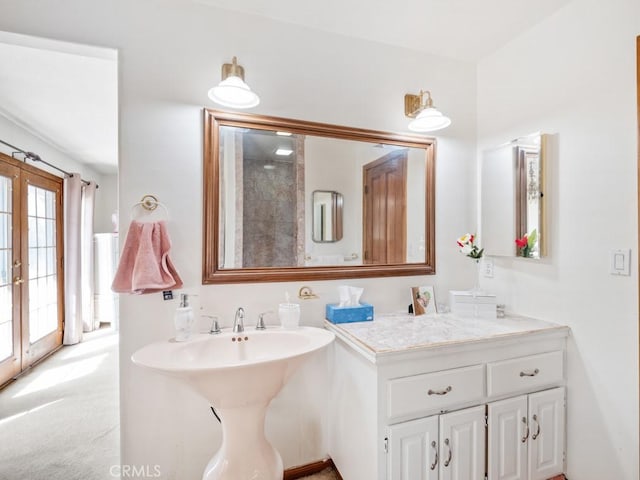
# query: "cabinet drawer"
[[420, 394], [524, 373]]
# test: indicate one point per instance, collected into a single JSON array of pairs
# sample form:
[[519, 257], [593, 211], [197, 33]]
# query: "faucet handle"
[[215, 324], [260, 325]]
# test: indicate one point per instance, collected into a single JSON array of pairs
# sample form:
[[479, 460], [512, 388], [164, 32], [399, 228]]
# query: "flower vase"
[[476, 288]]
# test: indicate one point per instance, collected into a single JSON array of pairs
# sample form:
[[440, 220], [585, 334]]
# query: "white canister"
[[289, 314]]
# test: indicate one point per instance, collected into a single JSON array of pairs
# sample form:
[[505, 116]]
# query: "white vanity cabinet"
[[526, 436], [456, 408], [449, 446]]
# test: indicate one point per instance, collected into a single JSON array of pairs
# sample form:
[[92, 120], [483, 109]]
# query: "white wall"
[[573, 76], [106, 196], [106, 204], [329, 165], [170, 53]]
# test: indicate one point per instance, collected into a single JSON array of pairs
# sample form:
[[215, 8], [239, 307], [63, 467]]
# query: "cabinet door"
[[508, 439], [413, 449], [546, 442], [462, 444]]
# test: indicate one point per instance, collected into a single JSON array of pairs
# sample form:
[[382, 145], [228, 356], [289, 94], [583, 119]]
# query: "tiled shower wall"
[[269, 214]]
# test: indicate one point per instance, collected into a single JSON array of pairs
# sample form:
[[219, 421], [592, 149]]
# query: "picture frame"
[[423, 300]]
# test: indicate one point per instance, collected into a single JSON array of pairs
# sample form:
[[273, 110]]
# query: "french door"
[[31, 274]]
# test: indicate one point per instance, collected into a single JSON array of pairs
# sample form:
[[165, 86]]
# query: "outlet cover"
[[487, 267]]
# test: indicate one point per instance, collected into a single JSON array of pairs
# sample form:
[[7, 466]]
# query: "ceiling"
[[63, 93], [66, 94], [460, 29]]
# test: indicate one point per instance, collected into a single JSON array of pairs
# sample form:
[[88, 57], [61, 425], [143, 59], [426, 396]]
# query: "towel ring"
[[149, 203]]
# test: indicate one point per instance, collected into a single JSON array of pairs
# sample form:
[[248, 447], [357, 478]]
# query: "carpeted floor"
[[60, 421]]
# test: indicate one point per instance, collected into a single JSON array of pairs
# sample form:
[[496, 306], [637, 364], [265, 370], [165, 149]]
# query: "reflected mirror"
[[326, 216], [293, 200], [512, 198]]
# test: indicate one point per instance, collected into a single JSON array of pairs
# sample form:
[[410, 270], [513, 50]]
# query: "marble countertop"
[[390, 333]]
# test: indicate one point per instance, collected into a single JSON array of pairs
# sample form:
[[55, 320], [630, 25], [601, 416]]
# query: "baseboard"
[[309, 469]]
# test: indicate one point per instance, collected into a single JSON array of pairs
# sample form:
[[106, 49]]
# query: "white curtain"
[[72, 207], [86, 258]]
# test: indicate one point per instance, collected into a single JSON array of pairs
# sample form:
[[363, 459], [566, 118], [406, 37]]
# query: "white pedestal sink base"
[[239, 375], [245, 453]]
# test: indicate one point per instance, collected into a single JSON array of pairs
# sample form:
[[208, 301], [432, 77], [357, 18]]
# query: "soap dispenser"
[[183, 319]]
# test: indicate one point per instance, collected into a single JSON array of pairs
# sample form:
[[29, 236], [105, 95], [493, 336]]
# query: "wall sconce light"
[[426, 117], [232, 91]]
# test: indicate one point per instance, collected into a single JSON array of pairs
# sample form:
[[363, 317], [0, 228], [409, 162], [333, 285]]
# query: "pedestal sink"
[[239, 374]]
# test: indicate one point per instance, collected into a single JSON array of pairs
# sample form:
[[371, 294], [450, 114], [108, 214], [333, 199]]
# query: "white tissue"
[[349, 296]]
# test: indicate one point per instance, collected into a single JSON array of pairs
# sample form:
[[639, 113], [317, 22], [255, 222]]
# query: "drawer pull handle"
[[530, 374], [526, 435], [448, 460], [435, 459], [439, 392], [537, 434]]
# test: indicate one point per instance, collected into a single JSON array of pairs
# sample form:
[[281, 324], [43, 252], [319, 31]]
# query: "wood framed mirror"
[[259, 177]]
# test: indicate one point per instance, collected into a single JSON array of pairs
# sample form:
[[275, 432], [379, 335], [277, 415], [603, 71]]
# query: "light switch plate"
[[620, 262]]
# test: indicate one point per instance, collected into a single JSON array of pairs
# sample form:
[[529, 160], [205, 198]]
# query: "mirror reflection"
[[326, 211], [269, 178], [287, 198], [512, 194]]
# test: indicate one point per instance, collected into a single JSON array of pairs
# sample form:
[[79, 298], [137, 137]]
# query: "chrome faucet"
[[215, 325], [238, 323]]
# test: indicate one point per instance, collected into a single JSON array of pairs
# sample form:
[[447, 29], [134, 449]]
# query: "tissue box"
[[465, 304], [358, 313]]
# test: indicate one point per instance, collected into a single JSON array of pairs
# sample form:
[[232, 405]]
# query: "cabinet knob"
[[435, 452], [526, 426], [530, 374], [440, 392], [537, 434], [448, 460], [18, 280]]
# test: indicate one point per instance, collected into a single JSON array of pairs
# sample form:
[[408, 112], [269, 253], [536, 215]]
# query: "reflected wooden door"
[[31, 280], [384, 205]]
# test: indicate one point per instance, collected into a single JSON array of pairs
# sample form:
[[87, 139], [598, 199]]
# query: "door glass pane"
[[6, 286], [5, 267], [6, 321], [5, 230], [43, 298]]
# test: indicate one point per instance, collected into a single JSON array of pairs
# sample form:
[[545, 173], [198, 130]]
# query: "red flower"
[[521, 242]]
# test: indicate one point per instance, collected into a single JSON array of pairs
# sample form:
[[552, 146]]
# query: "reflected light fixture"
[[232, 91], [426, 118], [284, 152]]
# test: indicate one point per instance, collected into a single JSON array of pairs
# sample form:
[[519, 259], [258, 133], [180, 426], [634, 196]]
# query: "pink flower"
[[522, 242]]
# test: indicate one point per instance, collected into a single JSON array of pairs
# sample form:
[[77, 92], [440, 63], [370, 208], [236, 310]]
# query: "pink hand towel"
[[145, 266]]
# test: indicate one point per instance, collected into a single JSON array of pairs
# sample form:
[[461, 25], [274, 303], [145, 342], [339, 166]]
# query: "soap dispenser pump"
[[183, 319]]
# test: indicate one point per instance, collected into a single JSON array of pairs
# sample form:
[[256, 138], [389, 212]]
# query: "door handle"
[[439, 392], [448, 460], [526, 425], [18, 280], [537, 434], [17, 263], [435, 460]]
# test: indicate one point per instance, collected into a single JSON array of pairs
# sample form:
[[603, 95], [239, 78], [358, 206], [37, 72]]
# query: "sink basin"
[[239, 374]]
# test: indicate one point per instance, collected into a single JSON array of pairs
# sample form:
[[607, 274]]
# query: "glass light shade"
[[233, 92], [429, 120]]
